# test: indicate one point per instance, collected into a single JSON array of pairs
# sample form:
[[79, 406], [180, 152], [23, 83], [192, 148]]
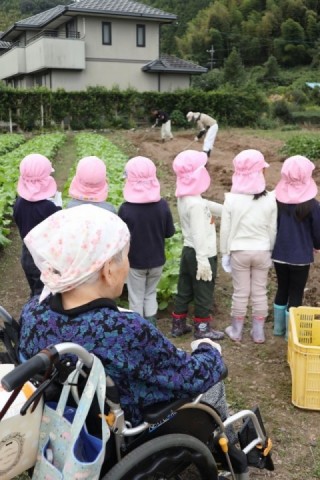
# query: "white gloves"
[[196, 139], [204, 272], [226, 263], [195, 344]]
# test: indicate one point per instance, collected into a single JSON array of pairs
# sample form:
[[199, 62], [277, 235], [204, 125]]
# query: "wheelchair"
[[182, 440]]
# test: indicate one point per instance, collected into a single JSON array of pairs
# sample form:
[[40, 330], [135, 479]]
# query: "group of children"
[[257, 228]]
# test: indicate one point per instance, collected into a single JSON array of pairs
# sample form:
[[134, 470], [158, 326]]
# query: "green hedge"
[[99, 108]]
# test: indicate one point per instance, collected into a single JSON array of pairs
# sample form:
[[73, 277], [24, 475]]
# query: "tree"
[[271, 73], [234, 72]]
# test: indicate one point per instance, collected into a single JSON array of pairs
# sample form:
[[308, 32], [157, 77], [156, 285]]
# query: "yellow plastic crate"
[[304, 356]]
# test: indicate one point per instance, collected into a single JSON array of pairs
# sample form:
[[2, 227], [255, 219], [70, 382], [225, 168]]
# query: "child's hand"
[[226, 263], [195, 344]]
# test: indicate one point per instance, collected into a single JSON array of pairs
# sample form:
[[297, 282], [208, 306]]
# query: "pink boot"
[[257, 332], [234, 331]]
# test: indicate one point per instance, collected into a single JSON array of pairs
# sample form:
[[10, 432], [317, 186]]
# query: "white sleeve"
[[198, 221], [225, 226]]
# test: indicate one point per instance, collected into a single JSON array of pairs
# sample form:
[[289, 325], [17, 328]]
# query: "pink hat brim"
[[144, 192], [294, 194], [37, 190], [86, 192]]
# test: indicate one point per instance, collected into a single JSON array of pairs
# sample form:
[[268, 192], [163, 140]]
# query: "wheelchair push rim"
[[167, 458]]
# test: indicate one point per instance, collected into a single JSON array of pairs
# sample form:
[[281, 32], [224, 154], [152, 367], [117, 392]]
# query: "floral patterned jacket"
[[145, 366]]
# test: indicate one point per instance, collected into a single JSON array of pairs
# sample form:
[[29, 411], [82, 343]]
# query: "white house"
[[93, 43]]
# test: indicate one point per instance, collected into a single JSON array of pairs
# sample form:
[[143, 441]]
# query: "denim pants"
[[249, 278], [192, 290]]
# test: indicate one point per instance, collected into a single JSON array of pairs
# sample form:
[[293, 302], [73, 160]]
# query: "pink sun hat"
[[248, 177], [296, 184], [192, 176], [90, 180], [142, 184], [35, 182]]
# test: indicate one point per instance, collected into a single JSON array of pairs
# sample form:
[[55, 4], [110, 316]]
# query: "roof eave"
[[174, 70], [22, 26], [111, 13]]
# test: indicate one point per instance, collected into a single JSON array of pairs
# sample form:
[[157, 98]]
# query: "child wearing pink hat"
[[150, 222], [298, 234], [198, 264], [247, 236], [36, 188], [89, 185]]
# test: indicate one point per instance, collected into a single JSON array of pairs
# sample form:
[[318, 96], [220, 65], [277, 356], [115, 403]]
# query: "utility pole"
[[211, 51]]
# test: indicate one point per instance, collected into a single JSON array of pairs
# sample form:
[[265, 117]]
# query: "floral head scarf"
[[71, 245]]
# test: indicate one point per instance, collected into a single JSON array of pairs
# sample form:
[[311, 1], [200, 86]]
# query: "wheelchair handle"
[[23, 372], [42, 361]]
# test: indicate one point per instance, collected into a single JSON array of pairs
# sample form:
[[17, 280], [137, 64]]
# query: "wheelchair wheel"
[[170, 457]]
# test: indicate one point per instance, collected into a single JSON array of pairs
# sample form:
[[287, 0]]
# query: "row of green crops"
[[307, 145], [88, 144], [47, 145], [10, 142], [94, 144]]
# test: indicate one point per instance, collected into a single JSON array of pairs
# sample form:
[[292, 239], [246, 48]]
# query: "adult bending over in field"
[[207, 126]]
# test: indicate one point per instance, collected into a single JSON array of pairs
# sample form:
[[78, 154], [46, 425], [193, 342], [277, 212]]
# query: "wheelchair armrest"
[[158, 411]]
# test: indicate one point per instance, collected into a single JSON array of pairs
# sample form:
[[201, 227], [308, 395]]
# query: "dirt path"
[[257, 374]]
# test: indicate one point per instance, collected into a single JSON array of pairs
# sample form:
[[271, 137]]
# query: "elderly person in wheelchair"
[[82, 254]]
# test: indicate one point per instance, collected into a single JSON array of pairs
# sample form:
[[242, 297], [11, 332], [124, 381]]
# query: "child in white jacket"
[[247, 235], [198, 264]]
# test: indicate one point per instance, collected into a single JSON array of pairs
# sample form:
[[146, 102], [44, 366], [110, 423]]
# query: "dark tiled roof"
[[42, 18], [170, 64], [111, 7], [121, 7]]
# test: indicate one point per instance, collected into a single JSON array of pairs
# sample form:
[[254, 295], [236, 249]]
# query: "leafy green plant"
[[307, 145]]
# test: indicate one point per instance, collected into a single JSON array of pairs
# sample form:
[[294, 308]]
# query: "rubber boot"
[[242, 476], [179, 325], [202, 329], [234, 331], [152, 319], [257, 331], [279, 319], [287, 325]]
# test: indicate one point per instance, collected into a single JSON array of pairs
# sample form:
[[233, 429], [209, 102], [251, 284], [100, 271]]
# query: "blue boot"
[[287, 325], [279, 320]]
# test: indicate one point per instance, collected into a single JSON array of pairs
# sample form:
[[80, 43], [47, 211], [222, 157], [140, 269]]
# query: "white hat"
[[190, 116]]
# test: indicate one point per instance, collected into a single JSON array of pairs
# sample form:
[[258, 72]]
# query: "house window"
[[106, 33], [141, 35], [71, 29]]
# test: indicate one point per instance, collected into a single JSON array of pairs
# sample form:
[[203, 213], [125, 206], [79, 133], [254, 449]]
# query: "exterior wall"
[[171, 82], [123, 39], [55, 53], [105, 74], [13, 62]]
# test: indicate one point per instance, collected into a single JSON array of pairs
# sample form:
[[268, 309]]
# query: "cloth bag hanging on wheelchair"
[[66, 449], [19, 435]]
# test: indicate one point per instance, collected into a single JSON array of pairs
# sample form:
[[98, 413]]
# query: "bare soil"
[[258, 374]]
